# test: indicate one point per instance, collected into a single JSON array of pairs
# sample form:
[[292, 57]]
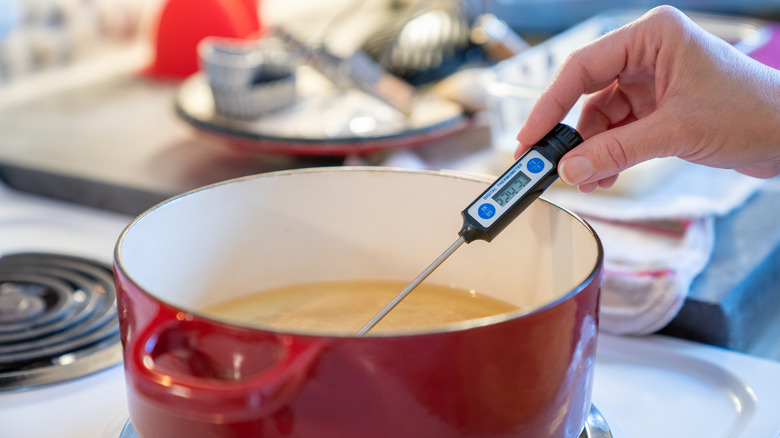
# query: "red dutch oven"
[[523, 374]]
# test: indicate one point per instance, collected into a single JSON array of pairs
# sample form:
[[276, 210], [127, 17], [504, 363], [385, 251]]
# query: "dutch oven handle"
[[196, 367]]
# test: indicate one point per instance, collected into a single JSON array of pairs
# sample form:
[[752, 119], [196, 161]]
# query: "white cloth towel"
[[648, 270], [656, 241], [685, 191]]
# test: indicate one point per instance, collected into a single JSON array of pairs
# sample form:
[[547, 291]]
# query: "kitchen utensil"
[[421, 40], [357, 70], [496, 39], [502, 202], [523, 373]]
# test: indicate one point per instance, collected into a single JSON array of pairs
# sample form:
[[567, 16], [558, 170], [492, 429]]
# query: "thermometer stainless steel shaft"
[[502, 202]]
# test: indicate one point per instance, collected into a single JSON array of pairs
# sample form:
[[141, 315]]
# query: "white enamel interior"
[[272, 230]]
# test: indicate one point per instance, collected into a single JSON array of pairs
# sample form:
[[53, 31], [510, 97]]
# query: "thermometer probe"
[[502, 202]]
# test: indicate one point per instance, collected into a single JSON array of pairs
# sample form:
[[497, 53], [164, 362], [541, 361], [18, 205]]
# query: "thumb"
[[608, 153]]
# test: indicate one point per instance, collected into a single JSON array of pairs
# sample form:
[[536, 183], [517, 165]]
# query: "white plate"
[[663, 387], [322, 120]]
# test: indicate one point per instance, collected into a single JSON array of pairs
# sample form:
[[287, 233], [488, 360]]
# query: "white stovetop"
[[645, 387]]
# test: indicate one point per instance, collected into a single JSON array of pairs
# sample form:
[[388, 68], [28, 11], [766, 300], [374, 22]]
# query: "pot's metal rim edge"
[[448, 328]]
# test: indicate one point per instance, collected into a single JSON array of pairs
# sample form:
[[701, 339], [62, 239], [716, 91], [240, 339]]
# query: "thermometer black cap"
[[559, 141], [552, 147]]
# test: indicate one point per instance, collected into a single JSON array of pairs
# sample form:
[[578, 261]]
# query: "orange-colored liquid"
[[346, 306]]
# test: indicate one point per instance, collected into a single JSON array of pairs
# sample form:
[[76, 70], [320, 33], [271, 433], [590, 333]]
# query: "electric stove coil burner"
[[58, 319]]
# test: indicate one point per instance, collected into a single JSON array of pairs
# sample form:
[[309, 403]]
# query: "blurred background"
[[40, 34]]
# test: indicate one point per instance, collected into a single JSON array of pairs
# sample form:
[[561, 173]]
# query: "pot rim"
[[439, 329]]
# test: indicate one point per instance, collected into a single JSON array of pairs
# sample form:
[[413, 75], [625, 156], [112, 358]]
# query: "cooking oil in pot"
[[342, 307]]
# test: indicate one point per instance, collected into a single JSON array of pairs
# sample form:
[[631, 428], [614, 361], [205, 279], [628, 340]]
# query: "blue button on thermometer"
[[503, 201]]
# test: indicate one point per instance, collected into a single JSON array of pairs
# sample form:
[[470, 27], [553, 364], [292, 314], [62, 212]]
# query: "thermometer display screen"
[[511, 189]]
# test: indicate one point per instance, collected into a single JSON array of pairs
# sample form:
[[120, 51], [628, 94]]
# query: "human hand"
[[661, 86]]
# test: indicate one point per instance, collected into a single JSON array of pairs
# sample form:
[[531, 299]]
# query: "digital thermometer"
[[518, 187], [503, 201]]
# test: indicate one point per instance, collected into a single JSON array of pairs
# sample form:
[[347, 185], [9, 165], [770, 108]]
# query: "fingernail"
[[518, 150], [575, 170]]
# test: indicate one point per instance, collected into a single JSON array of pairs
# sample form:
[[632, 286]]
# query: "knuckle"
[[667, 17], [664, 11], [576, 62], [615, 154]]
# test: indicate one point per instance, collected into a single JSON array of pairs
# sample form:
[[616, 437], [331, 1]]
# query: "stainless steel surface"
[[495, 38], [416, 282], [357, 70], [595, 427], [128, 431], [419, 37]]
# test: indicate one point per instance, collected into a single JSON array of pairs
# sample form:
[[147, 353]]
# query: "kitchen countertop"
[[117, 145]]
